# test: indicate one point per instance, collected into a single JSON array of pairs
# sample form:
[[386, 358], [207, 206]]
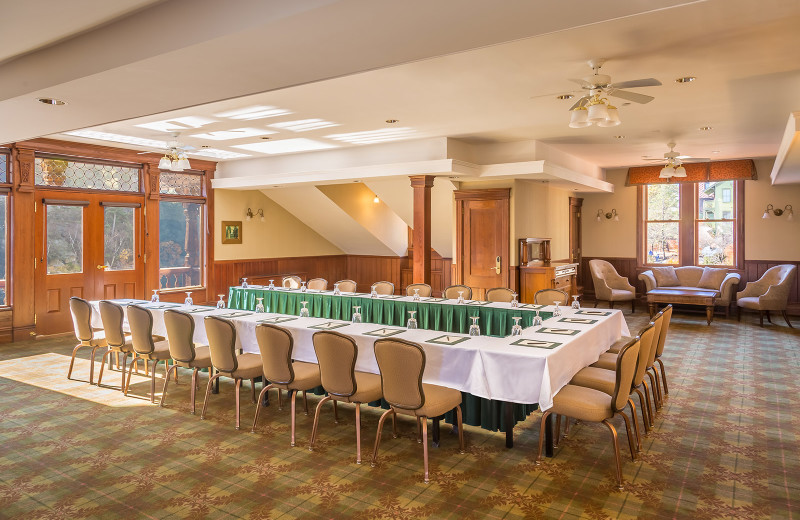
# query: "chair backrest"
[[662, 338], [780, 277], [626, 366], [292, 282], [383, 287], [336, 355], [451, 293], [550, 296], [658, 324], [499, 294], [276, 345], [646, 339], [141, 323], [81, 318], [602, 271], [402, 364], [424, 289], [317, 284], [180, 334], [347, 285], [113, 316], [222, 343]]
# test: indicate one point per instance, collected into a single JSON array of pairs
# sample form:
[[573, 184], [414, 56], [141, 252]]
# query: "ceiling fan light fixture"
[[680, 171], [612, 119], [578, 118], [666, 172], [165, 163], [597, 112]]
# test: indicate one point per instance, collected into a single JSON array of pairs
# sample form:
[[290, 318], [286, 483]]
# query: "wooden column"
[[22, 231], [421, 242]]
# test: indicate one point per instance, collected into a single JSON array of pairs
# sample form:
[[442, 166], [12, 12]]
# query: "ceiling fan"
[[175, 158], [674, 162], [594, 108]]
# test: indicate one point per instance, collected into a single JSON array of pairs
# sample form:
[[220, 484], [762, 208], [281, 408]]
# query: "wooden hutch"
[[537, 272]]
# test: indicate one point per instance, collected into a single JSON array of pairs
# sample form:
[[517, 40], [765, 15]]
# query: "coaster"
[[128, 301], [594, 313], [198, 309], [433, 300], [278, 319], [234, 314], [476, 302], [536, 343], [583, 321], [389, 297], [530, 306], [329, 325], [161, 305], [448, 340], [553, 330], [385, 332]]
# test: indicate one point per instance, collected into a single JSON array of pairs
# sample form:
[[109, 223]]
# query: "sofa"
[[689, 279]]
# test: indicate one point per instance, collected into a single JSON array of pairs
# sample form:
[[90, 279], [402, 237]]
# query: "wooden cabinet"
[[553, 275]]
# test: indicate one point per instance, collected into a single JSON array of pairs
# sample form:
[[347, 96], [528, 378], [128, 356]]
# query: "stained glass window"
[[76, 174]]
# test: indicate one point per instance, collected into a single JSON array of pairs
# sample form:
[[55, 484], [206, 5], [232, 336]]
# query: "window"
[[3, 251], [181, 244], [726, 195], [64, 239], [662, 224], [119, 252], [66, 173], [713, 231]]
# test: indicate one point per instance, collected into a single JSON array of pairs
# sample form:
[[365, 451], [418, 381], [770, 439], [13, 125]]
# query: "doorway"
[[575, 206]]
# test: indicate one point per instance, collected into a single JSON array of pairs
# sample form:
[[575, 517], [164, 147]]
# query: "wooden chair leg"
[[545, 415], [738, 313], [760, 318], [786, 317], [663, 377], [460, 429], [635, 425], [258, 407], [633, 305], [293, 397], [631, 443], [378, 436], [193, 392], [769, 317], [305, 400], [152, 381], [208, 391], [643, 409], [425, 447], [335, 412], [616, 452], [166, 383], [358, 433], [237, 387], [102, 365], [316, 421]]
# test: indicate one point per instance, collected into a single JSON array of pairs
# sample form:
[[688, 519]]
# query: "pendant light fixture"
[[596, 111]]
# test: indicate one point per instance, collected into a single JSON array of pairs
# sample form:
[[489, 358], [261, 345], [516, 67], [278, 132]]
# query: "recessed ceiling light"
[[118, 138], [565, 96], [392, 121], [374, 136], [304, 125], [265, 138], [178, 123], [705, 128], [685, 79], [205, 146], [619, 137], [286, 146], [51, 101], [254, 112], [236, 133], [714, 151], [216, 153]]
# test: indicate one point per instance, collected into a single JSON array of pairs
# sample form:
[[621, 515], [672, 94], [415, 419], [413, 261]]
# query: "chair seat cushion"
[[617, 345], [250, 366], [368, 388], [202, 358], [160, 352], [621, 295], [596, 378], [749, 303], [586, 404], [438, 401], [306, 376], [607, 361]]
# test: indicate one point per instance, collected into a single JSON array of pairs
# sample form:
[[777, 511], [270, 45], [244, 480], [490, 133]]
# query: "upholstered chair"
[[226, 362], [550, 296], [185, 353], [113, 318], [347, 286], [141, 323], [609, 285], [86, 335], [660, 347], [499, 294], [768, 293], [424, 289], [317, 284], [590, 405], [276, 345], [292, 282], [402, 366], [337, 354], [384, 288], [451, 292]]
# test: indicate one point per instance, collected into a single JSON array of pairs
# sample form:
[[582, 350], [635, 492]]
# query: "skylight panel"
[[118, 138], [374, 136], [178, 123], [304, 125], [254, 112], [235, 133], [286, 146], [218, 154]]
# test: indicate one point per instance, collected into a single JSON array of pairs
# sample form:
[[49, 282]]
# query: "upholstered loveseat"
[[692, 278]]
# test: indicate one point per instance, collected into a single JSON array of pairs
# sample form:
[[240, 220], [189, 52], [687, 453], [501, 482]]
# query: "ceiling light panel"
[[304, 125], [285, 146], [179, 123], [236, 133], [118, 138], [374, 136], [254, 112], [219, 154]]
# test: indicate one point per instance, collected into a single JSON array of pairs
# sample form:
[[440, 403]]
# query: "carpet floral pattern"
[[725, 445]]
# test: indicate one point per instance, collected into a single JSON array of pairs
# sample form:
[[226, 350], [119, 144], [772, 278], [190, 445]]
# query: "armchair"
[[610, 286], [768, 293]]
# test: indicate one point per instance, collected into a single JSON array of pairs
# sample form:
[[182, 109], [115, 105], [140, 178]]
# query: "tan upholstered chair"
[[662, 338], [347, 285], [550, 296], [86, 335], [141, 323], [609, 286], [317, 284], [276, 345], [222, 343], [451, 293], [658, 348], [499, 294], [185, 353], [768, 293], [337, 354], [113, 317], [384, 288], [590, 405], [424, 289], [402, 365], [292, 282]]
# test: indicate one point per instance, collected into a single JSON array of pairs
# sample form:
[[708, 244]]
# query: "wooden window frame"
[[642, 231], [204, 263]]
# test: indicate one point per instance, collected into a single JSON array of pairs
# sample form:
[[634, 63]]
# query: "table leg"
[[435, 432], [651, 306], [709, 314], [508, 409]]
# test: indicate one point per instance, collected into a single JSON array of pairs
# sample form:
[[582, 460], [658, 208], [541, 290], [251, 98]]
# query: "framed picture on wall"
[[231, 231]]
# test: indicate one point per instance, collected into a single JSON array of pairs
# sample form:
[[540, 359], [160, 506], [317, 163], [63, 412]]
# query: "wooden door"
[[483, 239]]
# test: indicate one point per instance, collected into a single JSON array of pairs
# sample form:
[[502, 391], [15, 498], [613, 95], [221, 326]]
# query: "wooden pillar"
[[22, 231], [151, 223], [421, 242]]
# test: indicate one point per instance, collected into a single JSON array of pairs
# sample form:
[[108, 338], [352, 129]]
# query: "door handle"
[[496, 267], [102, 267]]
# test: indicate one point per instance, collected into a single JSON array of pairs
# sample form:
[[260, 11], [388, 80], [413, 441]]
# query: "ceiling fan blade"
[[655, 160], [555, 94], [142, 153], [631, 96], [578, 103], [647, 82], [696, 159], [581, 82]]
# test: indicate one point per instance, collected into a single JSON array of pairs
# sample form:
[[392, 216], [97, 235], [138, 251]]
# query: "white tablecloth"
[[484, 366]]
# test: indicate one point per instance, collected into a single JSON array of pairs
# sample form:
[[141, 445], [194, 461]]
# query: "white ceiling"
[[415, 65]]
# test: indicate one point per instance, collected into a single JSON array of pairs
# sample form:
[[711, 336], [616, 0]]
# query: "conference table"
[[502, 379]]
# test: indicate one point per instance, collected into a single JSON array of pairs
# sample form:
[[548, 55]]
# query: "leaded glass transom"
[[172, 183], [3, 167], [75, 174]]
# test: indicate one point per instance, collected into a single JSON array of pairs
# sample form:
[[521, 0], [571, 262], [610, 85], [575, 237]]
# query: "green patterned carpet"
[[725, 446]]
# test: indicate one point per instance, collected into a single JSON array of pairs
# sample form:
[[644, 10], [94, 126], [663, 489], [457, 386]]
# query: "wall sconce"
[[249, 215], [609, 216], [778, 211], [376, 199]]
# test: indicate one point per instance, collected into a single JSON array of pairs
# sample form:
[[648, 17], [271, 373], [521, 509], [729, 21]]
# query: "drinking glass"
[[244, 283], [575, 303], [516, 329], [412, 321], [537, 320], [155, 298], [373, 293], [188, 300], [336, 291], [474, 330], [260, 305], [356, 314], [514, 301], [302, 286], [221, 302], [557, 311], [416, 295], [271, 286], [304, 310], [460, 297]]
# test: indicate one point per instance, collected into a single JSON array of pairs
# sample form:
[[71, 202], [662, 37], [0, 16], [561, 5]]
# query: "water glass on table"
[[516, 329], [474, 329], [575, 303], [155, 298], [221, 302], [244, 283], [557, 311], [188, 300], [412, 321], [260, 305], [356, 314], [304, 311]]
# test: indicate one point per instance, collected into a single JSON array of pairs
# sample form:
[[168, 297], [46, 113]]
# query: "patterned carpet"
[[725, 446]]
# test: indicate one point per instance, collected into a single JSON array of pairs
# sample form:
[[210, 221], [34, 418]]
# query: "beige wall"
[[609, 238], [281, 235]]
